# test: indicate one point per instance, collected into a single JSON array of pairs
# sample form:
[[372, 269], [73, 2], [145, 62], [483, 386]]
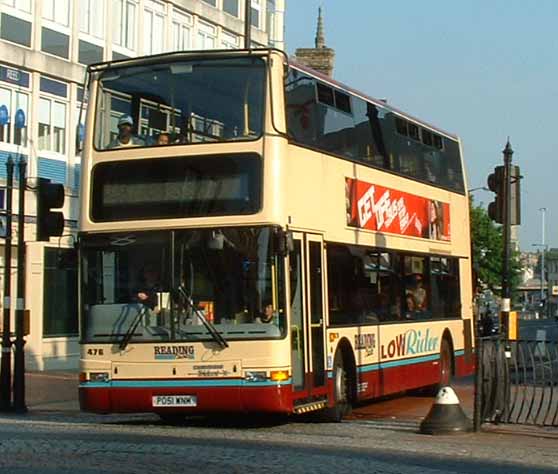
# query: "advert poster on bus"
[[374, 207]]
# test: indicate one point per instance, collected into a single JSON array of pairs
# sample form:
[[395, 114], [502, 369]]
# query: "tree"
[[488, 248]]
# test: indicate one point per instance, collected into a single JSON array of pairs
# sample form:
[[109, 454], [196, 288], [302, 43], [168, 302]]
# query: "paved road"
[[48, 442], [54, 437]]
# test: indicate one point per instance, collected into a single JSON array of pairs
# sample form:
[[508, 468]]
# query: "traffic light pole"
[[6, 364], [19, 359], [506, 228]]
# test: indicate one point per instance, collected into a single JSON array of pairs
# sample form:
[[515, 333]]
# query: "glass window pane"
[[48, 9], [89, 53], [62, 12], [6, 100], [255, 17], [55, 43], [59, 115], [130, 26], [158, 38], [15, 30], [97, 18], [84, 16], [231, 7], [60, 294], [148, 32], [117, 23], [20, 132], [44, 124]]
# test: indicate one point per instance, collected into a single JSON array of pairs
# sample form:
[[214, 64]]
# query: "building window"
[[270, 20], [124, 23], [60, 293], [89, 53], [231, 7], [153, 27], [229, 41], [52, 125], [22, 5], [181, 31], [55, 34], [14, 107], [57, 11], [91, 18], [207, 36], [213, 3], [54, 42], [52, 116], [15, 29], [256, 13]]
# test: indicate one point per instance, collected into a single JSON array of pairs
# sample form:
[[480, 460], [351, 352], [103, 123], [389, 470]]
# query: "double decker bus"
[[258, 238]]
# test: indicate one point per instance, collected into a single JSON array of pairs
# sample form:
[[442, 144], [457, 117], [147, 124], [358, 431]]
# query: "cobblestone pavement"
[[55, 437], [56, 442]]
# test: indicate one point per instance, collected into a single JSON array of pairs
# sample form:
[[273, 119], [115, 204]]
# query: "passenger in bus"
[[419, 294], [267, 315], [164, 138], [410, 306], [125, 136]]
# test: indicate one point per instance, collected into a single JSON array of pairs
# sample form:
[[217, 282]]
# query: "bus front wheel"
[[341, 387]]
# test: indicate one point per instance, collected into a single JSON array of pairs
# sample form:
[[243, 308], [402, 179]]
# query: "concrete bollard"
[[446, 415]]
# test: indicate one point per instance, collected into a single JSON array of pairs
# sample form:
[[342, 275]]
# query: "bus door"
[[307, 315]]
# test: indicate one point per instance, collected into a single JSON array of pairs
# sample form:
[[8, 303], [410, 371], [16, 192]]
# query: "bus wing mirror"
[[283, 242], [79, 137]]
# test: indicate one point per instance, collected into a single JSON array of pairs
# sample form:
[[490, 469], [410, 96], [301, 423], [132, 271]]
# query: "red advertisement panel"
[[375, 207]]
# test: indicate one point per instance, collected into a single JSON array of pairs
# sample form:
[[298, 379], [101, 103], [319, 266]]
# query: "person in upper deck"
[[125, 136]]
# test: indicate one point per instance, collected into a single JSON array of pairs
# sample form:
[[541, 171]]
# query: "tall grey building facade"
[[45, 46]]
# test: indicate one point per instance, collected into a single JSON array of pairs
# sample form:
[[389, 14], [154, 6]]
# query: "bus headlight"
[[102, 377], [255, 376]]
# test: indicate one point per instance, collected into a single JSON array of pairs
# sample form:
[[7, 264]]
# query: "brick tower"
[[320, 57]]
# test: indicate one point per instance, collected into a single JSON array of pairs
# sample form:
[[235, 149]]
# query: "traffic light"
[[515, 196], [497, 185], [49, 223]]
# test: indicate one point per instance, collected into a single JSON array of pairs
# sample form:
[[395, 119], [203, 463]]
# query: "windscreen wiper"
[[133, 326], [209, 326]]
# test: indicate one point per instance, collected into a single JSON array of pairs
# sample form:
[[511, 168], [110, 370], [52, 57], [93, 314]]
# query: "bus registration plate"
[[175, 401]]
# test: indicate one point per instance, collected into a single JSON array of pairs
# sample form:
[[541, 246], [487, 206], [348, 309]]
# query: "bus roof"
[[377, 102], [96, 67]]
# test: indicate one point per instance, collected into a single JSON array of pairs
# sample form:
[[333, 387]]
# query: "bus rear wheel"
[[445, 371], [341, 390], [445, 364]]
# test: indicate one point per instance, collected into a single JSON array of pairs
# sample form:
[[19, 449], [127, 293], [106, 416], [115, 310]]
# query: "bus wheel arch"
[[447, 359], [344, 382]]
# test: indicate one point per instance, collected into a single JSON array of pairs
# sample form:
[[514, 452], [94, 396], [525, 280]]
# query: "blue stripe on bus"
[[414, 360], [460, 352], [182, 383]]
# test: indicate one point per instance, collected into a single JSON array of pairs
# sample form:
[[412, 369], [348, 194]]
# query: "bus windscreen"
[[189, 101]]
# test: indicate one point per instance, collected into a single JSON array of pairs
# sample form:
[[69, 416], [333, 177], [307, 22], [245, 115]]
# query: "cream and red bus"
[[258, 238]]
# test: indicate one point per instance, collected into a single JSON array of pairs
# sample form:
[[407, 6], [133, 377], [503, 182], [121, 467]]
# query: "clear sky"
[[482, 69]]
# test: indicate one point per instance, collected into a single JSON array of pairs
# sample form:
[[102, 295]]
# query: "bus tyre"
[[445, 364], [341, 390], [445, 372]]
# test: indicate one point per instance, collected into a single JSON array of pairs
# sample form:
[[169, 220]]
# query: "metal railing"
[[519, 381]]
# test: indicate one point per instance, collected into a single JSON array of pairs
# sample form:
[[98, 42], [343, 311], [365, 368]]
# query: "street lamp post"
[[543, 247], [543, 268]]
